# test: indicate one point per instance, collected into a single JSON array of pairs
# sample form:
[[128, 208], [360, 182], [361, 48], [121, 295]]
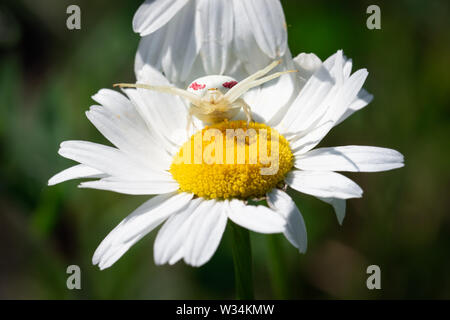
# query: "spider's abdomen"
[[201, 85]]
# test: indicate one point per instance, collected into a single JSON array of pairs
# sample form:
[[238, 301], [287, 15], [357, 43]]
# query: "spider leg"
[[253, 76], [262, 72], [265, 79], [190, 121], [253, 81], [166, 89], [247, 110]]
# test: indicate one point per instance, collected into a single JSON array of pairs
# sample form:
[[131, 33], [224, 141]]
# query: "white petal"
[[347, 68], [272, 98], [295, 231], [268, 24], [144, 219], [108, 160], [168, 246], [325, 97], [151, 50], [307, 64], [214, 27], [330, 69], [205, 232], [324, 117], [181, 47], [164, 113], [156, 129], [134, 187], [350, 158], [76, 172], [362, 99], [310, 105], [118, 104], [331, 60], [337, 66], [323, 184], [152, 15], [339, 206], [128, 137], [307, 140], [197, 71], [247, 48], [116, 252], [119, 121], [255, 218], [346, 96]]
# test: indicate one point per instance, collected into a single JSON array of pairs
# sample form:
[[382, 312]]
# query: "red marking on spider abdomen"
[[229, 84], [197, 86]]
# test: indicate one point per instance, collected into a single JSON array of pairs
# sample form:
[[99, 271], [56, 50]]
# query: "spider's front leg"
[[254, 80], [166, 89], [190, 121], [246, 108]]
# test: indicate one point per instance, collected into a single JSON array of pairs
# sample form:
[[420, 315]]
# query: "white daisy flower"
[[188, 38], [195, 200]]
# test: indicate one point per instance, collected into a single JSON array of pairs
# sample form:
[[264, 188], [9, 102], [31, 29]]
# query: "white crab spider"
[[216, 98]]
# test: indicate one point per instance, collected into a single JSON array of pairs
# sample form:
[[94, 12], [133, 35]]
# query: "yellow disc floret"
[[232, 159]]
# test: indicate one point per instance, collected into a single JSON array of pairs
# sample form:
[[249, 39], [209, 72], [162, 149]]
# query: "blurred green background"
[[48, 74]]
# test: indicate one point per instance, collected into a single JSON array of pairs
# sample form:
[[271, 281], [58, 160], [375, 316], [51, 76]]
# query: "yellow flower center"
[[232, 159]]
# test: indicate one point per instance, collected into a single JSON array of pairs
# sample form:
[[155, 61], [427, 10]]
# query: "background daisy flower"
[[189, 38]]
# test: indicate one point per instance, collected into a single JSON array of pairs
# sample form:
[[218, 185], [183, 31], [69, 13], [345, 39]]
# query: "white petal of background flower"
[[227, 34], [180, 47], [151, 50], [153, 14], [295, 230], [323, 184], [266, 18], [214, 31], [256, 218], [247, 49], [350, 158]]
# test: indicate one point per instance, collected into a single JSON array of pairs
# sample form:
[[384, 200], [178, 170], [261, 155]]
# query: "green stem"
[[277, 267], [242, 257]]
